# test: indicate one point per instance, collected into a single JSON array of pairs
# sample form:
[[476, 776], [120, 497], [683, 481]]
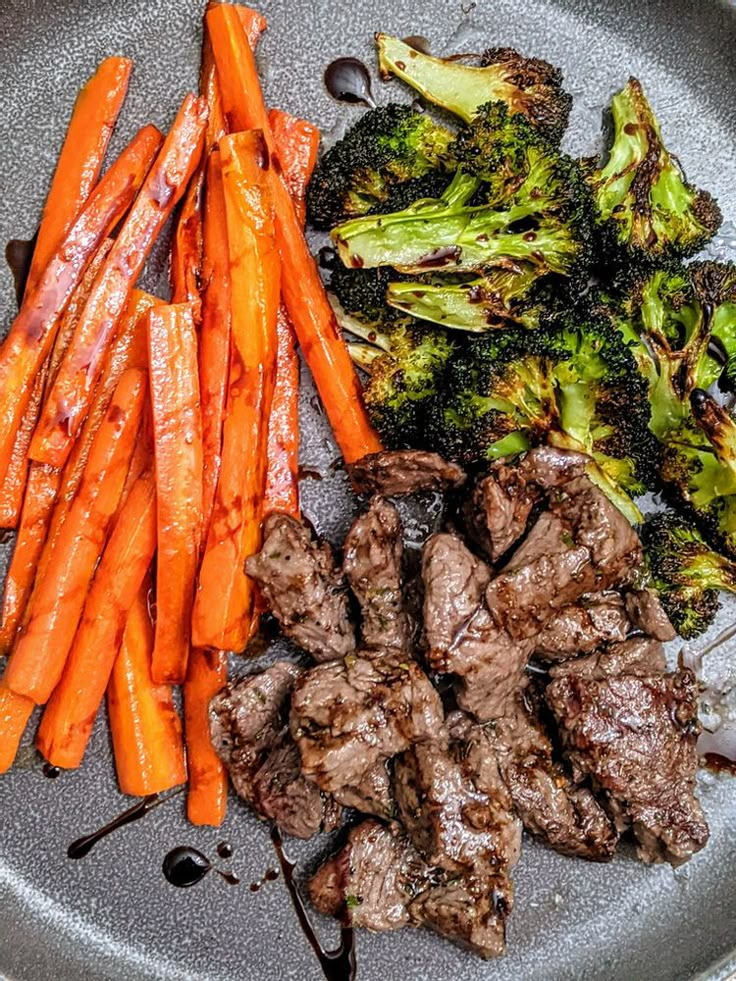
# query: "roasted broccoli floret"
[[545, 224], [527, 85], [687, 573], [647, 210], [362, 294], [389, 158]]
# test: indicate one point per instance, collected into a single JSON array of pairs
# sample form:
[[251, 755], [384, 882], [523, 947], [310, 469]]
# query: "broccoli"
[[362, 294], [389, 158], [687, 573], [647, 211], [544, 223], [527, 85]]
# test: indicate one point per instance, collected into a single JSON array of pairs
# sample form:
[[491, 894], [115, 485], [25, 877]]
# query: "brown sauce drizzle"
[[348, 80], [83, 846]]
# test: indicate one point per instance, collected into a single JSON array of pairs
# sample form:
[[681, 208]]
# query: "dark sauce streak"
[[185, 866], [309, 473], [348, 80], [720, 764], [51, 772], [19, 255], [337, 965], [443, 256], [419, 42], [83, 846], [6, 535], [270, 875]]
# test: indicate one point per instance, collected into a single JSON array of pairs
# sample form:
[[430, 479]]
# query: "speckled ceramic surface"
[[112, 915]]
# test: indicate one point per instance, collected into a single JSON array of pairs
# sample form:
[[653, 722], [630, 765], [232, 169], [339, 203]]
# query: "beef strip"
[[497, 512], [303, 588], [348, 716], [548, 467], [462, 638], [248, 724], [638, 656], [581, 628], [398, 472], [634, 735], [648, 615], [372, 564]]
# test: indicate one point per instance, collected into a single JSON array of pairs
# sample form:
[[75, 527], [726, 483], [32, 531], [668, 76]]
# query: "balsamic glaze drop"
[[184, 866], [52, 772], [18, 255], [225, 849], [337, 965], [348, 80]]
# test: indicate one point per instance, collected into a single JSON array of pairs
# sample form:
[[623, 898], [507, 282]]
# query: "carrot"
[[34, 329], [177, 430], [186, 248], [93, 120], [297, 145], [42, 487], [224, 602], [40, 651], [145, 727], [13, 485], [214, 339], [70, 396], [70, 714], [304, 295], [15, 711], [207, 796]]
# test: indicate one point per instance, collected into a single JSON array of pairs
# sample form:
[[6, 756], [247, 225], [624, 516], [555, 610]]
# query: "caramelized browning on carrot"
[[70, 714], [93, 120], [207, 796], [224, 603], [34, 329], [145, 727], [186, 248], [304, 295], [177, 431], [71, 393], [15, 711], [41, 650]]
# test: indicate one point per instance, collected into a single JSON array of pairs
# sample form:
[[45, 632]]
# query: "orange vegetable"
[[15, 711], [297, 146], [304, 295], [13, 485], [207, 796], [186, 248], [78, 168], [70, 396], [177, 434], [34, 329], [41, 649], [145, 727], [224, 603], [70, 714]]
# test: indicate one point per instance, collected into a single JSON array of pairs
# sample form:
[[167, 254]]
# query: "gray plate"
[[113, 915]]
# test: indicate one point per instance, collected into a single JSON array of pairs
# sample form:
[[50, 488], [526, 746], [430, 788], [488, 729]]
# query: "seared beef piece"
[[497, 512], [638, 656], [348, 716], [548, 467], [462, 638], [634, 736], [303, 588], [379, 881], [373, 794], [648, 615], [550, 804], [584, 626], [372, 566], [248, 724], [397, 472]]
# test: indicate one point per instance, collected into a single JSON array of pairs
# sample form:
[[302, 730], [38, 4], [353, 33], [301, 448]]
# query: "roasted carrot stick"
[[13, 486], [304, 294], [186, 248], [224, 602], [70, 714], [93, 120], [15, 711], [145, 726], [297, 146], [41, 650], [177, 431], [68, 401], [207, 795], [34, 329]]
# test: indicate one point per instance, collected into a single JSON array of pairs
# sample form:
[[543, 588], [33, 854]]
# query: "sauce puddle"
[[348, 80], [185, 866]]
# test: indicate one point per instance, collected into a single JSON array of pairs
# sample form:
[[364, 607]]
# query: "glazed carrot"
[[224, 602], [15, 711], [186, 248], [145, 727], [304, 295], [177, 432], [13, 485], [214, 338], [207, 793], [297, 146], [34, 329], [253, 23], [70, 396], [70, 714], [93, 120], [40, 651]]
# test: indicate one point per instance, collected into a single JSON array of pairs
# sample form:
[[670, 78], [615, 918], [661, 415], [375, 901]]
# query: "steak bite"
[[398, 472], [303, 588], [595, 619], [373, 555], [648, 615], [634, 735], [349, 716], [497, 511], [638, 656], [249, 729]]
